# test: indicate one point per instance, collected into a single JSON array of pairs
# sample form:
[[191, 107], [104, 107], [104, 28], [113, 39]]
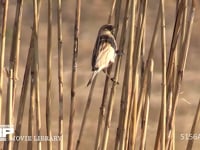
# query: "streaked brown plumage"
[[104, 52]]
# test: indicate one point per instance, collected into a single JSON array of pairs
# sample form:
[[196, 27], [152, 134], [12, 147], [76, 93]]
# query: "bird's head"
[[107, 27]]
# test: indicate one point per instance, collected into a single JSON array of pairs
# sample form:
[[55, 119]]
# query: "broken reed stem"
[[194, 127], [74, 74], [2, 48], [85, 115], [164, 89], [181, 68], [60, 73], [49, 75], [146, 108], [36, 72], [24, 89]]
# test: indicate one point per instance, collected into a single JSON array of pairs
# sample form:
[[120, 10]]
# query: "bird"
[[104, 52]]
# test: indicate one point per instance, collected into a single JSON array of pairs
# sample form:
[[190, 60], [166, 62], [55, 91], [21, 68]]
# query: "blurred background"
[[94, 13]]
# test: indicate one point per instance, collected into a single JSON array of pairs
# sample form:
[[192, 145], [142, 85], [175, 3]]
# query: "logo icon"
[[5, 130]]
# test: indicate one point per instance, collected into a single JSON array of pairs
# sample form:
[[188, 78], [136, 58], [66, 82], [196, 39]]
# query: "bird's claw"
[[113, 80], [120, 52]]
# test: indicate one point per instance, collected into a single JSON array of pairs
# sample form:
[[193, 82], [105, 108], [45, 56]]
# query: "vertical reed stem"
[[127, 86], [13, 69], [25, 84], [181, 68], [164, 91], [146, 108], [85, 113], [105, 92], [74, 74], [36, 73], [31, 112], [194, 127], [2, 49], [60, 73], [49, 74]]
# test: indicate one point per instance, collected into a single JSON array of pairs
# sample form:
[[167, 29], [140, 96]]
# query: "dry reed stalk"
[[117, 69], [137, 59], [1, 15], [194, 127], [9, 110], [74, 74], [111, 11], [145, 123], [23, 95], [3, 26], [105, 93], [24, 89], [175, 36], [118, 66], [85, 115], [111, 101], [116, 3], [136, 63], [102, 108], [108, 118], [145, 111], [127, 85], [15, 46], [2, 48], [31, 111], [36, 73], [60, 73], [118, 6], [13, 69], [171, 72], [49, 75], [144, 78], [185, 12], [146, 108], [164, 70], [181, 68]]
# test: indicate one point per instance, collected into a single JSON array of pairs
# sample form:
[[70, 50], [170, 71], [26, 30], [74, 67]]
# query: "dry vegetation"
[[41, 94]]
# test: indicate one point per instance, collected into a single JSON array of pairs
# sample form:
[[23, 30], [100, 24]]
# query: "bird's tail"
[[92, 77]]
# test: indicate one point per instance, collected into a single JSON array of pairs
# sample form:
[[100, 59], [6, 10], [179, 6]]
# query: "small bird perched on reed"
[[104, 52]]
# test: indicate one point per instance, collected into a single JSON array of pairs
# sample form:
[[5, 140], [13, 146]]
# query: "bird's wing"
[[97, 48], [101, 43]]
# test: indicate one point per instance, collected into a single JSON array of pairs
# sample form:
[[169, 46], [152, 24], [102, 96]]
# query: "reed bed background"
[[45, 54]]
